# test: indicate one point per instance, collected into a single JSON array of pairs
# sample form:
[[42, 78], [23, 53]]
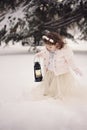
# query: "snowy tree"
[[60, 16], [52, 15]]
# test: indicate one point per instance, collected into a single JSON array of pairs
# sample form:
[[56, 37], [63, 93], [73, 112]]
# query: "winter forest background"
[[27, 20]]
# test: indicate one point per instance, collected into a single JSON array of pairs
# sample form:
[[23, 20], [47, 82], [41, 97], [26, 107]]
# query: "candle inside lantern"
[[38, 73]]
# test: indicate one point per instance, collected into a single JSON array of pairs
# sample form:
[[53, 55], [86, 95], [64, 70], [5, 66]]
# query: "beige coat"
[[63, 60]]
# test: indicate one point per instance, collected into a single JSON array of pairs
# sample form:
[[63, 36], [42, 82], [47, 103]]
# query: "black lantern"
[[37, 72]]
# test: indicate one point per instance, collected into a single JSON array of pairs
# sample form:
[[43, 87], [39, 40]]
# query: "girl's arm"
[[40, 54], [72, 64], [69, 58]]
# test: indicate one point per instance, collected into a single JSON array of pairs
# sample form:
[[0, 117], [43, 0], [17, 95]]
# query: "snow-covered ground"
[[18, 112]]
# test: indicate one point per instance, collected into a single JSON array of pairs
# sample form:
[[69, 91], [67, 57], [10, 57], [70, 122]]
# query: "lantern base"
[[38, 79]]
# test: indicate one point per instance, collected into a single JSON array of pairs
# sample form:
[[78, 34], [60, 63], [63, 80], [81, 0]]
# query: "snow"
[[78, 45], [18, 112], [19, 13]]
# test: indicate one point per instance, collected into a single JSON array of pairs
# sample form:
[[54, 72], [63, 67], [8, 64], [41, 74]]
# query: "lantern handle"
[[36, 58]]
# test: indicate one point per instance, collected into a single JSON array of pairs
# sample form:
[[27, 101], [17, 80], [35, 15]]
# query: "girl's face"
[[50, 47]]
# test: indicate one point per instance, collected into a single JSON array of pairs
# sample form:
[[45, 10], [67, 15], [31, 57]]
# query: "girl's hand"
[[38, 55], [78, 71]]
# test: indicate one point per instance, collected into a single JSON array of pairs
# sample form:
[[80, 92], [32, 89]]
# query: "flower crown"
[[48, 39]]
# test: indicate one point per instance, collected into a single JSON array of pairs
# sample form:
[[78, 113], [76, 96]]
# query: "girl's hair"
[[53, 38]]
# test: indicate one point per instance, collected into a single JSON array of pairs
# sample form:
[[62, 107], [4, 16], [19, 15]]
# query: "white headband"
[[48, 39]]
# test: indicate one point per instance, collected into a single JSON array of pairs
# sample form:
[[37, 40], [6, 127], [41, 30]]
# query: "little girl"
[[58, 62]]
